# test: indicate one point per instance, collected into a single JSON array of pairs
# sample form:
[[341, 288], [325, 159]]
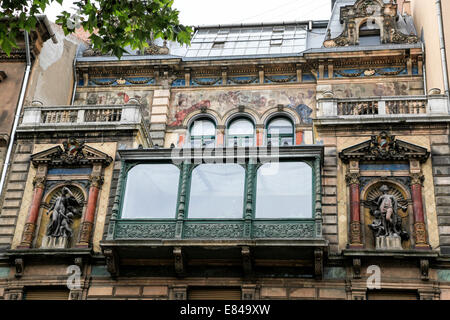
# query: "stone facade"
[[360, 118]]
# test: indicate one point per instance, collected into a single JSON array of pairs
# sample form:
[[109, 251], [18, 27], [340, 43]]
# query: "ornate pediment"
[[376, 13], [384, 147], [71, 153]]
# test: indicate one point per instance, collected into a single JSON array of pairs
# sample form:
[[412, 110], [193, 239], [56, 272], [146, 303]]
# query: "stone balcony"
[[81, 117], [331, 110]]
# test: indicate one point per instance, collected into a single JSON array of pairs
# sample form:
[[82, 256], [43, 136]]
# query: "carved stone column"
[[38, 192], [352, 179], [96, 181], [420, 234]]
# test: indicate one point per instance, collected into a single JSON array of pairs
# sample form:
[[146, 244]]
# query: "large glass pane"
[[151, 191], [280, 132], [241, 127], [284, 190], [217, 191], [203, 132], [280, 126]]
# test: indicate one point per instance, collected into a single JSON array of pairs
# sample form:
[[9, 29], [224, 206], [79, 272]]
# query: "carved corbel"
[[318, 263], [424, 269], [357, 268], [178, 254], [79, 263], [112, 262], [19, 264], [246, 260], [76, 294]]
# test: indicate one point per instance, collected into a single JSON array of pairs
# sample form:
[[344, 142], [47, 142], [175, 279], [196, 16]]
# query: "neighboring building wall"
[[54, 69], [426, 21], [9, 96]]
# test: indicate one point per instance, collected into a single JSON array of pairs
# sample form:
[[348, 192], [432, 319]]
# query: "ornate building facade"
[[265, 161]]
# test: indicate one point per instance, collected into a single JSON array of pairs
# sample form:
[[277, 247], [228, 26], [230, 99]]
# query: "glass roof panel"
[[249, 40]]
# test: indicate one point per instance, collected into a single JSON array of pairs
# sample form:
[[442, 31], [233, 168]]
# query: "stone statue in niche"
[[64, 209], [384, 205]]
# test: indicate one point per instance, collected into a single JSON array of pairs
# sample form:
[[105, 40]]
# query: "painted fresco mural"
[[377, 89], [183, 103]]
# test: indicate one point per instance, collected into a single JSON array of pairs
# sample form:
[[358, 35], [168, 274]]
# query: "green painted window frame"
[[202, 138], [240, 138], [250, 181], [281, 135]]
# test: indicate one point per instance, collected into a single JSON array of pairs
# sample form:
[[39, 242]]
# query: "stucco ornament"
[[380, 14], [384, 205]]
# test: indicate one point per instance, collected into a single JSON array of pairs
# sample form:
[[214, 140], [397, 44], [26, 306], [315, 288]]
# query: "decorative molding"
[[19, 264], [352, 178], [384, 147], [112, 262], [417, 178], [72, 153], [353, 16], [246, 260], [424, 269], [318, 264], [145, 231], [213, 230], [356, 268], [420, 234], [285, 230], [355, 233], [180, 268]]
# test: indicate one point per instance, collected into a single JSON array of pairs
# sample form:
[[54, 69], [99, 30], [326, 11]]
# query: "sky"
[[207, 12]]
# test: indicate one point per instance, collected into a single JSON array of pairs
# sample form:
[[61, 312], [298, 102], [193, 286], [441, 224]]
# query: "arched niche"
[[45, 215], [370, 194]]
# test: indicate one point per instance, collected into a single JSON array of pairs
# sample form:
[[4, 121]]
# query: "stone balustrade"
[[382, 106], [80, 115]]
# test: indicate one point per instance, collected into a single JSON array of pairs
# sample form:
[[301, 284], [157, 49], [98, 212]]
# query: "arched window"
[[203, 133], [241, 133], [151, 191], [217, 191], [280, 132], [369, 34], [284, 190]]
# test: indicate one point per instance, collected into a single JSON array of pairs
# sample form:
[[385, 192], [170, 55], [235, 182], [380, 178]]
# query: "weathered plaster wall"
[[426, 21], [52, 74], [9, 95]]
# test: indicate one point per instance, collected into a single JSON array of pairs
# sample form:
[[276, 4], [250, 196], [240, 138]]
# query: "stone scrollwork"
[[383, 14], [352, 178], [213, 230], [145, 231], [286, 230]]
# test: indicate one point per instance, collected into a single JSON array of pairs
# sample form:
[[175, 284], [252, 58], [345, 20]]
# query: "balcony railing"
[[80, 115], [382, 106]]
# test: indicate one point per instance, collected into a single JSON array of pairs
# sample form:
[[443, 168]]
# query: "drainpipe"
[[74, 75], [18, 113], [424, 70], [442, 45]]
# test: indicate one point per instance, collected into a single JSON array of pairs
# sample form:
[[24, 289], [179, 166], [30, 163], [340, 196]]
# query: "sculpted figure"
[[62, 211], [384, 209]]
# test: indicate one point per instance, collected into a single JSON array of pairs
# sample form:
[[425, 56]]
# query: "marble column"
[[352, 179], [420, 233], [38, 192], [87, 225]]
